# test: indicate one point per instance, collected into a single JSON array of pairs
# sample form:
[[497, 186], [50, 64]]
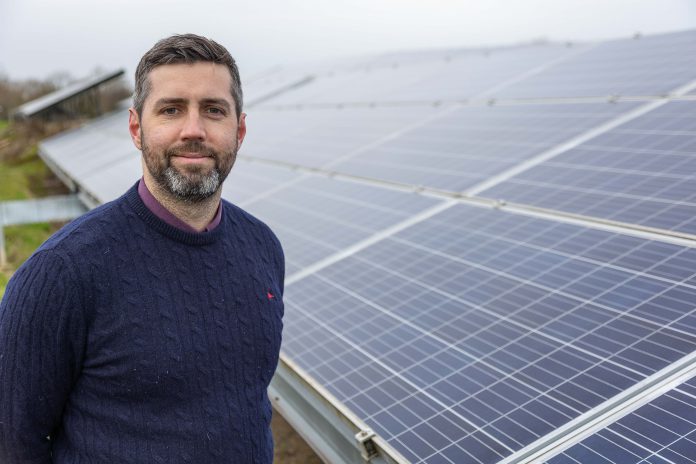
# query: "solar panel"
[[261, 88], [248, 181], [433, 76], [640, 173], [316, 217], [320, 137], [466, 146], [40, 104], [100, 156], [662, 431], [468, 336], [654, 65], [110, 181]]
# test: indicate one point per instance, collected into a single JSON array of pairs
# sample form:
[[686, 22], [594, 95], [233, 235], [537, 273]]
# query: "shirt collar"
[[164, 214]]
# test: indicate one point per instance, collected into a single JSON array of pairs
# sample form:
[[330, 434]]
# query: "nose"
[[193, 128]]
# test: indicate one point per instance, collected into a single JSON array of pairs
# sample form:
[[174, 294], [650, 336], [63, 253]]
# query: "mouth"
[[193, 155], [191, 159]]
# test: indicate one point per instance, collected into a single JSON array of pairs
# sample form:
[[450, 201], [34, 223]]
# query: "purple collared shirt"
[[164, 214]]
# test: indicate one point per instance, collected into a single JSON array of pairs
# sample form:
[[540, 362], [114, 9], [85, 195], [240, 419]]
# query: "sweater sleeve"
[[42, 340]]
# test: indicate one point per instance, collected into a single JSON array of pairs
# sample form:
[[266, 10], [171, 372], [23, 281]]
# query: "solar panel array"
[[488, 251], [35, 107], [642, 172]]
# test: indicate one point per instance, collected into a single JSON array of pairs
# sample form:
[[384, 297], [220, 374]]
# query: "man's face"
[[188, 131]]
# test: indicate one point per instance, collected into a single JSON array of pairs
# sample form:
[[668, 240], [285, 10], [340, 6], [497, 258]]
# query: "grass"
[[20, 243], [23, 175]]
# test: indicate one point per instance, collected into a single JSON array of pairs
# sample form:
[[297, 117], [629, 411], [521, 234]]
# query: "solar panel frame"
[[663, 430]]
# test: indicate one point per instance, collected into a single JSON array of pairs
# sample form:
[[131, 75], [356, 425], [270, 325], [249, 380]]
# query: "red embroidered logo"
[[269, 295]]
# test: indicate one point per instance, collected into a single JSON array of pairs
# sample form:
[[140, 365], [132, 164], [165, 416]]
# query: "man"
[[148, 330]]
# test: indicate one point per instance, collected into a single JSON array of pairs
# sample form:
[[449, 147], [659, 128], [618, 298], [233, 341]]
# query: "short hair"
[[184, 48]]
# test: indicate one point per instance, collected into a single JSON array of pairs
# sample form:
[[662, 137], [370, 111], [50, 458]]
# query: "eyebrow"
[[180, 101], [170, 101], [217, 101]]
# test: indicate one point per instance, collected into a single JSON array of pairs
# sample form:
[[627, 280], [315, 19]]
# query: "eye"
[[170, 110], [216, 111]]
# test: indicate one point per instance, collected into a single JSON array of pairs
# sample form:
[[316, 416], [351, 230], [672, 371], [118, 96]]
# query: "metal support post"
[[3, 255]]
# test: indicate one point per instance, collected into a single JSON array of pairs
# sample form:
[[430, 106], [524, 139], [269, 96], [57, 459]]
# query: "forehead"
[[193, 81]]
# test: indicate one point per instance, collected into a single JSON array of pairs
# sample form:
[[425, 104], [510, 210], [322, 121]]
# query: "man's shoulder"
[[60, 258], [249, 222], [87, 229]]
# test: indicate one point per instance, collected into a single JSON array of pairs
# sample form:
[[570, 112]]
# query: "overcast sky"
[[42, 37]]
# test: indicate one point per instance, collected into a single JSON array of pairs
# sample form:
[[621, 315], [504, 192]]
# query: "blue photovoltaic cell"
[[249, 180], [660, 432], [643, 172], [434, 76], [653, 65], [99, 156], [468, 336], [317, 216], [319, 137], [467, 146]]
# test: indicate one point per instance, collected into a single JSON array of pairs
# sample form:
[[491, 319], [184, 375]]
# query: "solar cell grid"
[[358, 85], [319, 216], [89, 148], [512, 357], [640, 173], [434, 76], [652, 65], [477, 76], [461, 149], [248, 180], [318, 137], [111, 181], [662, 431]]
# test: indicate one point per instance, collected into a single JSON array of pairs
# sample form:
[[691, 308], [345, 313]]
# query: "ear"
[[134, 128], [241, 130]]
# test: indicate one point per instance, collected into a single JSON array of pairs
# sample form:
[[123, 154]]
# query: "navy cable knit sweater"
[[126, 340]]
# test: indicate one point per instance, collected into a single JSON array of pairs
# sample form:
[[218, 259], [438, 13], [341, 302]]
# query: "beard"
[[191, 184]]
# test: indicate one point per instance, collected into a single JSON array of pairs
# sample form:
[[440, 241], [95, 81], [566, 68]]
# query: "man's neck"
[[197, 215]]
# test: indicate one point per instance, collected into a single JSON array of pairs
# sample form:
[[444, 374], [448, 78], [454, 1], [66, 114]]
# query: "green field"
[[20, 243], [25, 177], [22, 176]]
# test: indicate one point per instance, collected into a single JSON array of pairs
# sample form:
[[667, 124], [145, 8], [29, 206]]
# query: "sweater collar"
[[135, 201], [167, 216]]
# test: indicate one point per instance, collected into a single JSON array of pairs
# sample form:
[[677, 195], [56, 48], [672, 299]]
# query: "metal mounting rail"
[[606, 413], [18, 212], [329, 427]]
